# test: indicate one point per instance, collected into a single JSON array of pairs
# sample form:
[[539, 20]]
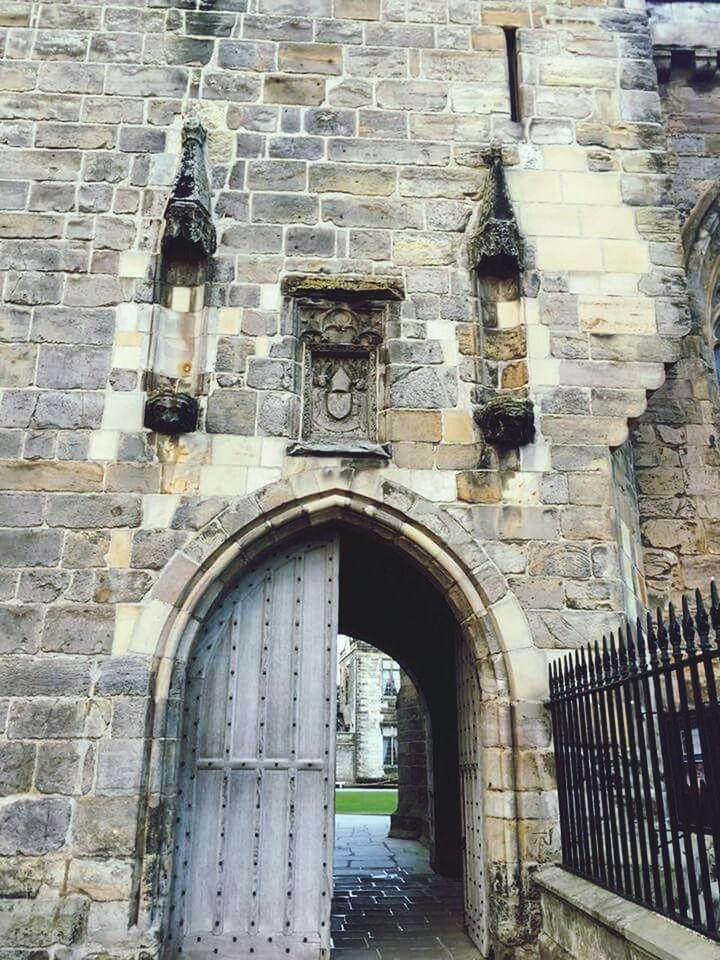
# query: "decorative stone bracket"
[[504, 414], [507, 421], [495, 241], [702, 62], [188, 220], [178, 347]]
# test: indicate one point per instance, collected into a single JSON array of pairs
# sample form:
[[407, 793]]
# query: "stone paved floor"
[[388, 905]]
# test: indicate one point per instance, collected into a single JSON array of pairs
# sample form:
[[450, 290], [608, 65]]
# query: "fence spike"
[[702, 621], [688, 626], [631, 650], [622, 653], [607, 668], [663, 641], [674, 631], [591, 664], [652, 640], [598, 662], [614, 662], [640, 641], [715, 611]]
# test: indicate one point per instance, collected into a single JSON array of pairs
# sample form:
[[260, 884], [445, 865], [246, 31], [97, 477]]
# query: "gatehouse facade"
[[390, 318]]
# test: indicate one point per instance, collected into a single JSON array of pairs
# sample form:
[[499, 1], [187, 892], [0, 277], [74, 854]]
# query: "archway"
[[493, 630]]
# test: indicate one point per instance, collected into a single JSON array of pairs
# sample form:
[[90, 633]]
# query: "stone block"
[[94, 511], [316, 58], [413, 456], [45, 718], [43, 922], [33, 827], [281, 175], [422, 387], [231, 411], [86, 549], [105, 826], [132, 80], [121, 586], [304, 91], [124, 676], [234, 87], [284, 208], [310, 242], [17, 762], [60, 767], [588, 523], [100, 880], [244, 55], [374, 213], [73, 368], [19, 629], [120, 767], [30, 548], [479, 486], [79, 629], [21, 509]]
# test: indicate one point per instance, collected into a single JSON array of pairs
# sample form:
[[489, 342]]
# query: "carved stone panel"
[[340, 377]]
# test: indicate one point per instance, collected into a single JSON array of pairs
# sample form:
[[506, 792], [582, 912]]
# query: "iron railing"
[[636, 724]]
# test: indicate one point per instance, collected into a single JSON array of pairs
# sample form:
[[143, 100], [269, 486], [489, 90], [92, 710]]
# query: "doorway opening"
[[252, 863], [398, 864]]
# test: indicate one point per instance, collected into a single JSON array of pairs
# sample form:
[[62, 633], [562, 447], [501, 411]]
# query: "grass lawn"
[[365, 801]]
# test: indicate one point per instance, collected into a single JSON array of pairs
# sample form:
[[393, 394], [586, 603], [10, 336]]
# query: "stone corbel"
[[663, 63], [703, 62], [507, 421], [705, 65]]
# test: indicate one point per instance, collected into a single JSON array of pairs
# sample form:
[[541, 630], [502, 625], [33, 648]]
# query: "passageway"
[[397, 899], [388, 903]]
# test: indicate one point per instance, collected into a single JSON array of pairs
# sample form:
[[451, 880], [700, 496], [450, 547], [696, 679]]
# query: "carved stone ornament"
[[507, 421], [188, 217], [340, 373], [171, 413], [496, 233]]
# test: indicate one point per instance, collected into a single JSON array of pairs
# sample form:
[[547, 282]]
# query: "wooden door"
[[254, 848]]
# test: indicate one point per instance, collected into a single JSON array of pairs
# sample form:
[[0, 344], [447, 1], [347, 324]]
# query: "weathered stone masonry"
[[345, 139]]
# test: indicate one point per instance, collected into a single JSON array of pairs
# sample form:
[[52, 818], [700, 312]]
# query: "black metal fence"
[[636, 723]]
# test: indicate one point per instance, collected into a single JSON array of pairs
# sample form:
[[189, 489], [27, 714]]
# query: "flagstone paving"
[[388, 904]]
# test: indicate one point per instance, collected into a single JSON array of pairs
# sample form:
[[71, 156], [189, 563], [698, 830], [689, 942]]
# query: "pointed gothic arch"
[[504, 670]]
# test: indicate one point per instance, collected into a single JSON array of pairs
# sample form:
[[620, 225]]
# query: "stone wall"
[[344, 138], [581, 920], [411, 819], [674, 443]]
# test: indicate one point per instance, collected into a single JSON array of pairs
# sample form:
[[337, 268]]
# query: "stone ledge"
[[656, 936], [343, 287], [359, 449]]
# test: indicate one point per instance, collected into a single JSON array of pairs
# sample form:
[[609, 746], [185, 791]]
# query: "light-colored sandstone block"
[[611, 315]]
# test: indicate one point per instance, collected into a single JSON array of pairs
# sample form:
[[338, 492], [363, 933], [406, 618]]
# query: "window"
[[390, 678], [389, 735], [511, 44]]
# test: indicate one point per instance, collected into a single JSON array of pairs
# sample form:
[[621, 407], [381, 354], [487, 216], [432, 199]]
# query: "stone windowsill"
[[658, 937]]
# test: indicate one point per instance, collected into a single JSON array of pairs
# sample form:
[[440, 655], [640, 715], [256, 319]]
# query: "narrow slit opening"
[[511, 44]]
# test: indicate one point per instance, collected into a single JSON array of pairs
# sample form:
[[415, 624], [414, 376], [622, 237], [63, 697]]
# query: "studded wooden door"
[[254, 850], [471, 793]]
